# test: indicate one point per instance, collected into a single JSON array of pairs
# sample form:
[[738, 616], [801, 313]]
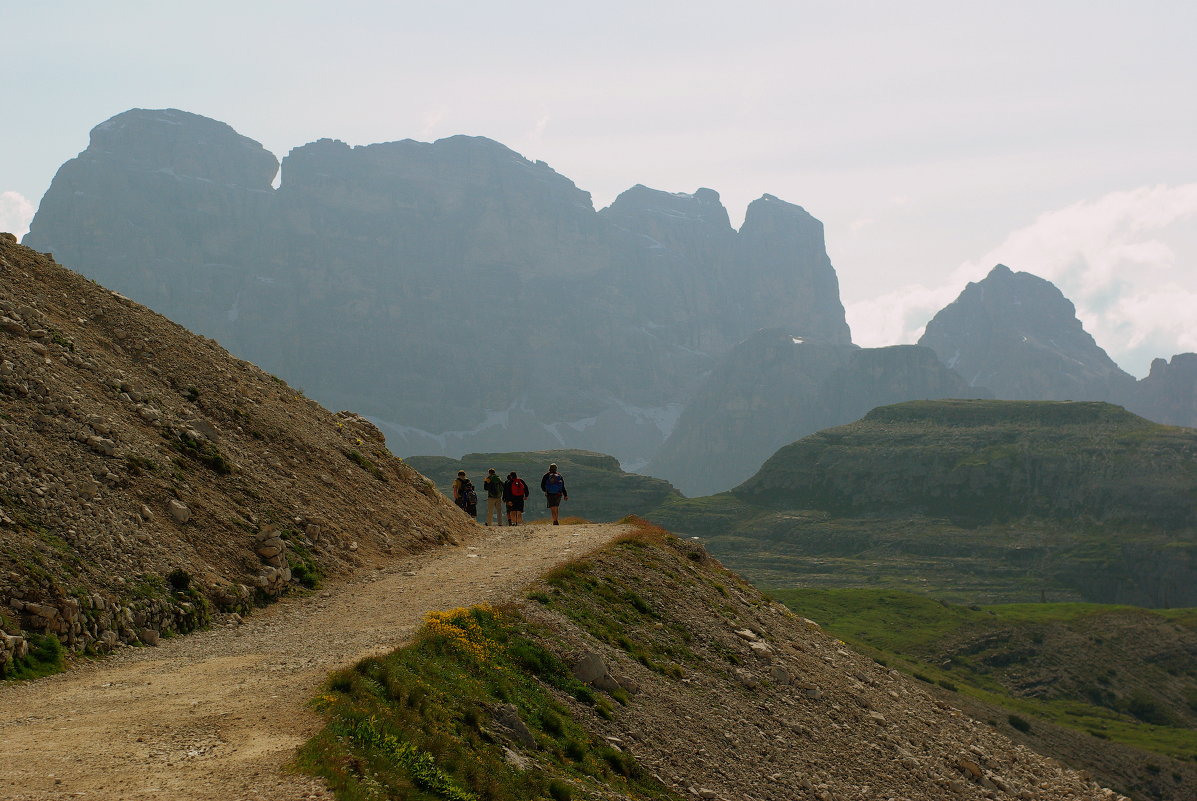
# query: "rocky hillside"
[[149, 480], [775, 388], [598, 489], [647, 670], [456, 293], [975, 500]]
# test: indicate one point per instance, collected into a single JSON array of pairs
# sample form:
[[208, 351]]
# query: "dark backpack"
[[494, 487], [554, 484], [468, 496]]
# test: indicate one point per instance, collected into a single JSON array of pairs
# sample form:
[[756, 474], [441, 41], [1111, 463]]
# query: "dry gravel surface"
[[219, 714]]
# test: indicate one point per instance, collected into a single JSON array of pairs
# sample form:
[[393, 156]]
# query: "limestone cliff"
[[460, 295]]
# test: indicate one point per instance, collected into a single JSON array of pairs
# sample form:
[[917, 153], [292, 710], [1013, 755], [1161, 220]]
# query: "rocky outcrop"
[[1169, 392], [458, 294], [1017, 335], [149, 481], [775, 388]]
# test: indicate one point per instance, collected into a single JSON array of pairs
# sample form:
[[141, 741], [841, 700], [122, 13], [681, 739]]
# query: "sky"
[[933, 139]]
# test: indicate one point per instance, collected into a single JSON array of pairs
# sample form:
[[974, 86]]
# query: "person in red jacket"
[[515, 492]]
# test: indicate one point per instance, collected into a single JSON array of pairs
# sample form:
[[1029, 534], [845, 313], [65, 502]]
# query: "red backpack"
[[519, 488]]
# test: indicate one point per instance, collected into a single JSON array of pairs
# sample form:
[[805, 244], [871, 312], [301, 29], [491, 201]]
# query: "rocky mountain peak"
[[184, 145], [704, 207], [1017, 334], [456, 252]]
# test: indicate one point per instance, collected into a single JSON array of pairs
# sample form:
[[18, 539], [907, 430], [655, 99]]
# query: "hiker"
[[515, 492], [494, 496], [464, 495], [553, 485]]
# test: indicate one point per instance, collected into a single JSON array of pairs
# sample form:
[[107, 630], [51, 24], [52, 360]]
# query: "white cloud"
[[1117, 258], [16, 212], [431, 120], [542, 123]]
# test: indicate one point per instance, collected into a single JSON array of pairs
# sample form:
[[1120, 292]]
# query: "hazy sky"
[[933, 139]]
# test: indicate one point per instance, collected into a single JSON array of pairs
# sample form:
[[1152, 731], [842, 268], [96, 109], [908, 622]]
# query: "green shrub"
[[45, 658], [179, 580], [1022, 724], [364, 463]]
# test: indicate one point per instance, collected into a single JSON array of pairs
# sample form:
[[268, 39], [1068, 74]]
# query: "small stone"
[[178, 511], [745, 634], [589, 667]]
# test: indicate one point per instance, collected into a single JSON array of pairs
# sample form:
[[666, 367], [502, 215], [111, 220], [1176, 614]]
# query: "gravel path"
[[219, 714]]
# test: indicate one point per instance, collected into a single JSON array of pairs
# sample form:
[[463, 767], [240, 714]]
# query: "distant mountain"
[[461, 296], [1017, 335], [1169, 392], [775, 388], [980, 501]]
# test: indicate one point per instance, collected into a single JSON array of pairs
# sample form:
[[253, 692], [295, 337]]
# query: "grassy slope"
[[598, 489], [1115, 672], [424, 722]]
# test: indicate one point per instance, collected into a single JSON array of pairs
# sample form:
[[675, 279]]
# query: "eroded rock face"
[[776, 388], [458, 294]]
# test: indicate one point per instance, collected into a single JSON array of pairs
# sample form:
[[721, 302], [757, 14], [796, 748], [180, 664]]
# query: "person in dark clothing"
[[515, 492], [464, 495], [494, 496], [553, 486]]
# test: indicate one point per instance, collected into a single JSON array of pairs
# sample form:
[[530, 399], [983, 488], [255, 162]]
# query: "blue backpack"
[[555, 484]]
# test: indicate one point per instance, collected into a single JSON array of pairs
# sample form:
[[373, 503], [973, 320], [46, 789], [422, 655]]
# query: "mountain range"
[[464, 298]]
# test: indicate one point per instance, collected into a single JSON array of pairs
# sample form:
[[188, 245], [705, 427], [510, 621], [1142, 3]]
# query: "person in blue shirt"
[[553, 486]]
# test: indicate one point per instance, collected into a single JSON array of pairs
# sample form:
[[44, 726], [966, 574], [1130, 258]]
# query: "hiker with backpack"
[[553, 486], [515, 492], [494, 496], [464, 495]]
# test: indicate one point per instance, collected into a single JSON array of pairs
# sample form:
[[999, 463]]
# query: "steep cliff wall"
[[462, 296]]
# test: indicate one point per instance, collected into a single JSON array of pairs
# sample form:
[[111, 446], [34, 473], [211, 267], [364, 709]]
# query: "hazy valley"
[[964, 512]]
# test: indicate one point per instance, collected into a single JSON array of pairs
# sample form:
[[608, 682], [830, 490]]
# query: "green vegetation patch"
[[436, 719], [45, 658], [203, 452], [364, 463], [1084, 666], [620, 610], [304, 567]]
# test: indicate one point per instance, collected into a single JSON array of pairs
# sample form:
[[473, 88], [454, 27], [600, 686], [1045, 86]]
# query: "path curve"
[[218, 714]]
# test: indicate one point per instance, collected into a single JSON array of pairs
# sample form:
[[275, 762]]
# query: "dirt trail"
[[218, 714]]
